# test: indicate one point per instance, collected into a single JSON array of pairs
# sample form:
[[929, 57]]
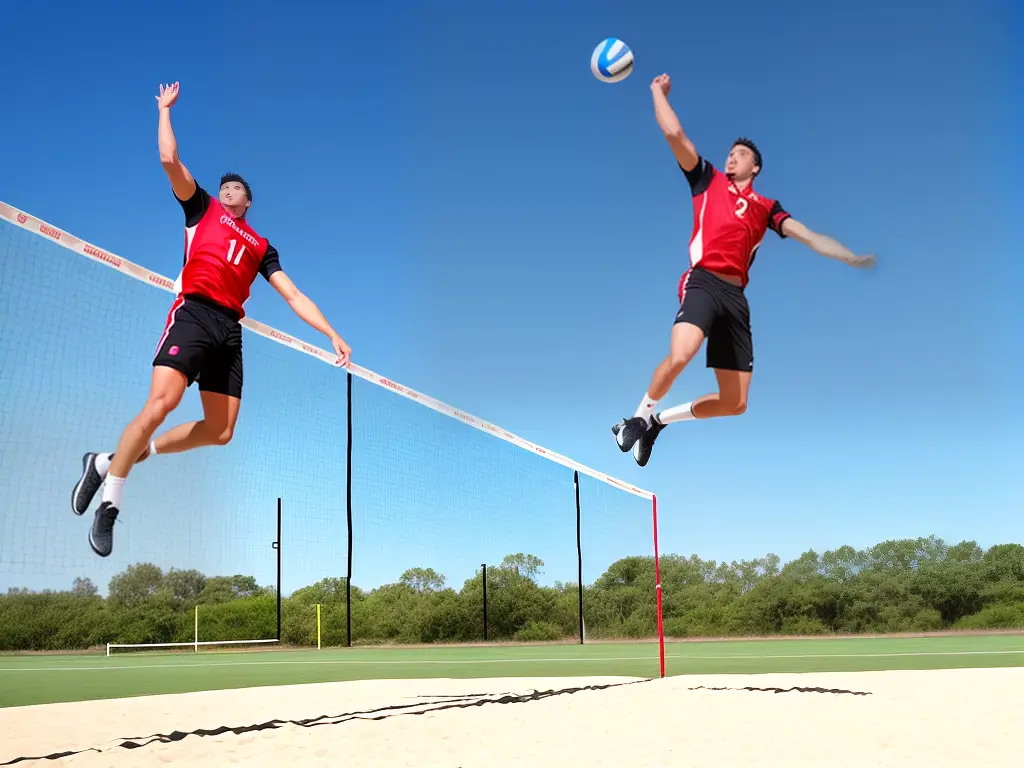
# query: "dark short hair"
[[235, 177], [745, 142]]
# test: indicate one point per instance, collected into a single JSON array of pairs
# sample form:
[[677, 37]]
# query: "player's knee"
[[735, 406], [678, 360], [159, 405], [223, 436]]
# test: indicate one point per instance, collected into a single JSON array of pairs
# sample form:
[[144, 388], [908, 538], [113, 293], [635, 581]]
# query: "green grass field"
[[43, 679]]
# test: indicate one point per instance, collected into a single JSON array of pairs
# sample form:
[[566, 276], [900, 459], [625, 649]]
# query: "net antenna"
[[53, 234]]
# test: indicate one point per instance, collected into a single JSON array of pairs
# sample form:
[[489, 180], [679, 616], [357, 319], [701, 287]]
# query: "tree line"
[[909, 585]]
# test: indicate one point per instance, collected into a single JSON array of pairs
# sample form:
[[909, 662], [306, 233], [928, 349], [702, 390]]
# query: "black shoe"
[[628, 431], [644, 446], [87, 485], [101, 537]]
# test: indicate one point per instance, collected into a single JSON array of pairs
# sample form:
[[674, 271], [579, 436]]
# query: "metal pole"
[[348, 514], [277, 546], [657, 584], [579, 550], [484, 566]]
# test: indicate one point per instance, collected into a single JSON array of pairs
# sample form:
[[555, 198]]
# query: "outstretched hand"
[[342, 350], [168, 95], [862, 262], [662, 83]]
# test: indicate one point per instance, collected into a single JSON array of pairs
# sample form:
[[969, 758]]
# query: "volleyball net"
[[347, 509]]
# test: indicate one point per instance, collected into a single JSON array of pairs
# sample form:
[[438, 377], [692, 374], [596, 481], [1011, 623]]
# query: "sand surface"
[[964, 718]]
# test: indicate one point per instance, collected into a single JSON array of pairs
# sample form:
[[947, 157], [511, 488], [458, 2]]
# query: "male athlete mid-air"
[[729, 223], [202, 339]]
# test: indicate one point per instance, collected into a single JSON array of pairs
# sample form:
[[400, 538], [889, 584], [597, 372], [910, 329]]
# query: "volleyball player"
[[730, 221], [202, 337]]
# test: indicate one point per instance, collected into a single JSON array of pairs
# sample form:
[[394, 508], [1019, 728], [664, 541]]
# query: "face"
[[232, 193], [740, 163]]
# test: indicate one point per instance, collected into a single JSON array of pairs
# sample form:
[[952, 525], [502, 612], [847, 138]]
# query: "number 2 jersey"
[[223, 254], [729, 224]]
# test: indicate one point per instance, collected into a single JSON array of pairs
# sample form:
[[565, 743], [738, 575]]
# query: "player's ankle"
[[112, 488], [646, 408]]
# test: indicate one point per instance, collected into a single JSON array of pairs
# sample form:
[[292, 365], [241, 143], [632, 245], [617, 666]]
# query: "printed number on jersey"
[[231, 251], [741, 209]]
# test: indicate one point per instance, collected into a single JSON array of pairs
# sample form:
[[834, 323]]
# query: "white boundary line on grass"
[[434, 662], [39, 227]]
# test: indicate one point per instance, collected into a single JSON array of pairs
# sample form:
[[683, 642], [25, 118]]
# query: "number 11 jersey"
[[223, 254]]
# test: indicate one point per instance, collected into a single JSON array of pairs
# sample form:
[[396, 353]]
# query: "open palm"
[[168, 95]]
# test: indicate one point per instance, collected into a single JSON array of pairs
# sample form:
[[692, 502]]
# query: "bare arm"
[[181, 180], [683, 149], [309, 312], [824, 244]]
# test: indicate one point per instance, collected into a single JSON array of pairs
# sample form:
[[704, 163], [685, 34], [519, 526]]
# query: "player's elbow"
[[675, 137]]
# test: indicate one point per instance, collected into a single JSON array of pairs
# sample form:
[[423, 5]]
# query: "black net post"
[[348, 514], [484, 566], [579, 550], [277, 546]]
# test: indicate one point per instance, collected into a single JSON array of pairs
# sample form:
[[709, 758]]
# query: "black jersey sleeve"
[[271, 262], [776, 216], [195, 207], [700, 176]]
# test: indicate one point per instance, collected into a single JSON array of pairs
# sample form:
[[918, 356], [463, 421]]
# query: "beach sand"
[[965, 718]]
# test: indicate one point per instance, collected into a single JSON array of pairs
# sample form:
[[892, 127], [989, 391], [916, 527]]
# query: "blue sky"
[[470, 207]]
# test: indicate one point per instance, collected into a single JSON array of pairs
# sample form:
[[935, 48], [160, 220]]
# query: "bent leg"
[[731, 355], [729, 400], [685, 343], [220, 412], [220, 387], [698, 309], [166, 388]]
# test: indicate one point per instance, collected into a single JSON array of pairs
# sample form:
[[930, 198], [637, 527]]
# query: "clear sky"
[[486, 222]]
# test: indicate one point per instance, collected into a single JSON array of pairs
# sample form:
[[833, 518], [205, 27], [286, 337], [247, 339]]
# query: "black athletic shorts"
[[203, 340], [719, 309]]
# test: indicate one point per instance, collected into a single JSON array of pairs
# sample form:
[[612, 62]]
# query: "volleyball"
[[612, 61]]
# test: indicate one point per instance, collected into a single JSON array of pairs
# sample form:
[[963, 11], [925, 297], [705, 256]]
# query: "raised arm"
[[684, 150], [823, 244], [182, 183], [301, 304]]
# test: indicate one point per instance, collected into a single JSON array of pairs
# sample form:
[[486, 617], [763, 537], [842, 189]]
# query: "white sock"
[[152, 448], [103, 462], [112, 490], [646, 408], [677, 413]]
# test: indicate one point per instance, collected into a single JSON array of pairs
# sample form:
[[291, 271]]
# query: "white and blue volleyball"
[[612, 61]]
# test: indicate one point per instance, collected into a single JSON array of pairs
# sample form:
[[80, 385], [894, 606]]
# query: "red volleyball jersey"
[[729, 224], [223, 254]]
